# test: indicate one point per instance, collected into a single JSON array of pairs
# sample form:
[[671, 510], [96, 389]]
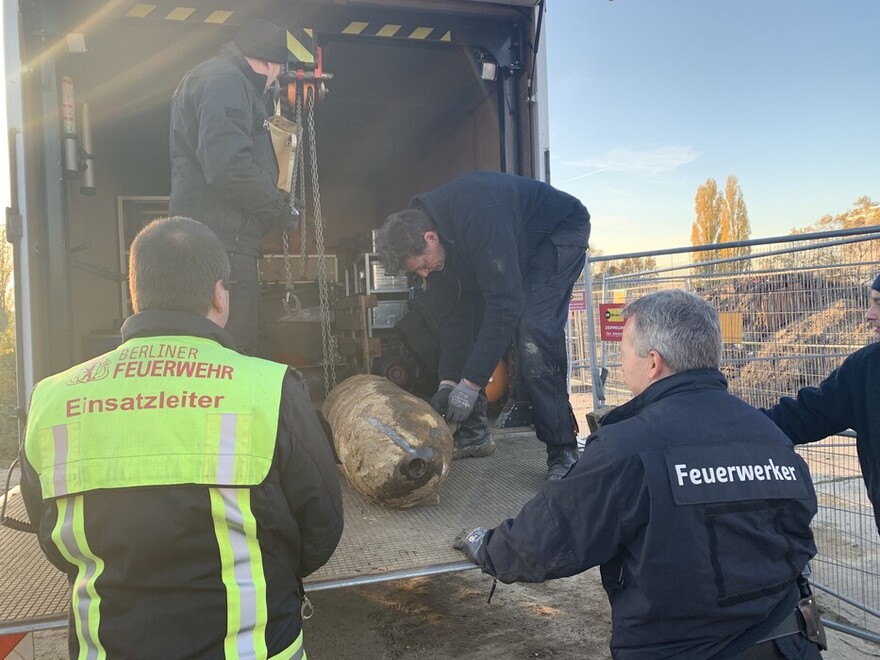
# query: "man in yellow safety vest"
[[185, 488]]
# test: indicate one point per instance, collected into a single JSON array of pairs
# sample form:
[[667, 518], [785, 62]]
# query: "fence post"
[[595, 375]]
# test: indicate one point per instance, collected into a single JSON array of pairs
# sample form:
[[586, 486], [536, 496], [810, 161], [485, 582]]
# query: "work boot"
[[472, 437], [474, 450], [560, 458]]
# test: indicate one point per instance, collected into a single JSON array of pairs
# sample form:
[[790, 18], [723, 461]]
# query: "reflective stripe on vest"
[[242, 573], [156, 411], [293, 652], [70, 538]]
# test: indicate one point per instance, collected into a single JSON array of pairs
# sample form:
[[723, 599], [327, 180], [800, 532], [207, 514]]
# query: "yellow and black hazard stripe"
[[181, 14], [301, 44], [300, 41], [398, 31]]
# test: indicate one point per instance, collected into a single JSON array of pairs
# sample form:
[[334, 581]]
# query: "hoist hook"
[[290, 301]]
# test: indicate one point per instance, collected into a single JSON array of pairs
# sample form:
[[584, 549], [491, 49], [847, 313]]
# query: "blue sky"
[[650, 98]]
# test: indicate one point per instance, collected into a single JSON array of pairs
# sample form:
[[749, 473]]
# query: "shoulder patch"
[[734, 472]]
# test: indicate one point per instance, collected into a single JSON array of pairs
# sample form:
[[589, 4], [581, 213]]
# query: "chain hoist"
[[287, 143], [290, 301], [301, 193], [304, 90], [328, 342]]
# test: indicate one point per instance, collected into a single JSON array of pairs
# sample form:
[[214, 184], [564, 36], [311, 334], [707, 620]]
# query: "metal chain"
[[300, 179], [288, 277], [289, 301], [328, 343]]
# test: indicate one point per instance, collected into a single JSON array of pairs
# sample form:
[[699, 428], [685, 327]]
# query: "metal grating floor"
[[478, 492], [379, 543], [31, 589]]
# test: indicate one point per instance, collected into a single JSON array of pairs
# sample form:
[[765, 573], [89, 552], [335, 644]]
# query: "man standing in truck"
[[184, 488], [694, 504], [224, 172], [518, 245]]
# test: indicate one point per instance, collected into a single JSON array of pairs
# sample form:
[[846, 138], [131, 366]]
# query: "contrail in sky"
[[582, 176]]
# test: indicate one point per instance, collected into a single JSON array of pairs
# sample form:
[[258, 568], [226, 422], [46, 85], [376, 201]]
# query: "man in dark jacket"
[[849, 398], [516, 246], [223, 168], [185, 489], [695, 506]]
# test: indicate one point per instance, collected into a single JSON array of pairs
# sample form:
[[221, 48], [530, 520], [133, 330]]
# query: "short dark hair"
[[682, 327], [174, 265], [403, 236]]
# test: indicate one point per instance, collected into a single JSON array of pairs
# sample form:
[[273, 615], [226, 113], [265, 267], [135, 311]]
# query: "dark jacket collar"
[[157, 323], [232, 52], [686, 381]]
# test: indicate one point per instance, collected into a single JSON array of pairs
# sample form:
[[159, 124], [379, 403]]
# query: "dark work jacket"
[[849, 398], [696, 564], [162, 594], [224, 172], [491, 225]]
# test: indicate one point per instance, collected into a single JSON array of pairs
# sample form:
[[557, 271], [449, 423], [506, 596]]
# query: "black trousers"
[[246, 323], [540, 337]]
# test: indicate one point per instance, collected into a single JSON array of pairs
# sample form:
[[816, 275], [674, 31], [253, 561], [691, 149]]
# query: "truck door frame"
[[17, 229]]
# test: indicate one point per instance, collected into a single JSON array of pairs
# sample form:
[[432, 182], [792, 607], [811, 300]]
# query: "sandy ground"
[[447, 617]]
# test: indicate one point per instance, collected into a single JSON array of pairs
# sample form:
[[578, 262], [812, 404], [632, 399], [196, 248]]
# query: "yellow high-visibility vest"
[[162, 411], [156, 411]]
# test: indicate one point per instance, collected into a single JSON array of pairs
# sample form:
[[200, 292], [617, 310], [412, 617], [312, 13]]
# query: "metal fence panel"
[[792, 309]]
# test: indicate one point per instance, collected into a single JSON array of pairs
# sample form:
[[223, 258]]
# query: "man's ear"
[[431, 237], [657, 367], [220, 302]]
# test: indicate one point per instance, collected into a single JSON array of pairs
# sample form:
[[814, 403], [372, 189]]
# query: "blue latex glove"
[[461, 402], [470, 543]]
